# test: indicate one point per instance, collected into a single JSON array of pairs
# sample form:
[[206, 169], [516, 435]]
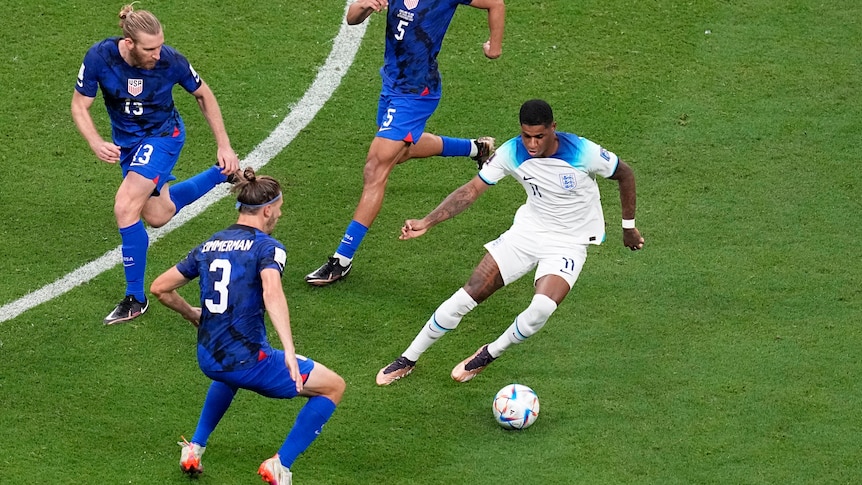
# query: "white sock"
[[474, 148], [447, 316], [342, 260], [530, 321]]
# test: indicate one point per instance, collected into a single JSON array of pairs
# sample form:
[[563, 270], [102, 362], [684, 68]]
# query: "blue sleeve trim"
[[485, 180]]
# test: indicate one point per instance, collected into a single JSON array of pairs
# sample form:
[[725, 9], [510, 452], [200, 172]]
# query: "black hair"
[[536, 112]]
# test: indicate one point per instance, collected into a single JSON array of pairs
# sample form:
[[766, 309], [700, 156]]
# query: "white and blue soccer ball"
[[515, 406]]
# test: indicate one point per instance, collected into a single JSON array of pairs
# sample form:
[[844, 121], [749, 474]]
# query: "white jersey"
[[562, 194]]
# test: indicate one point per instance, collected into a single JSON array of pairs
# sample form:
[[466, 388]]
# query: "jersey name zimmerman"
[[224, 246]]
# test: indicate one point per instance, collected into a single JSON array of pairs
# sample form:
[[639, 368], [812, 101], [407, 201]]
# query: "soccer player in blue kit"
[[239, 271], [136, 74], [411, 92], [550, 233]]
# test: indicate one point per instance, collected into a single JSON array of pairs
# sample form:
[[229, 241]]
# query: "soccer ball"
[[515, 406]]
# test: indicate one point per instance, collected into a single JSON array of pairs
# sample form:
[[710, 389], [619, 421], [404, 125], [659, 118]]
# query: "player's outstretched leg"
[[184, 193], [401, 367], [473, 365], [274, 473]]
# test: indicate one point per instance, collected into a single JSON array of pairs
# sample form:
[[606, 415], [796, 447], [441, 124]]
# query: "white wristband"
[[628, 223]]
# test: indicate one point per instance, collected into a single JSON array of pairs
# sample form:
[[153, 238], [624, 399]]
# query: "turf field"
[[727, 351]]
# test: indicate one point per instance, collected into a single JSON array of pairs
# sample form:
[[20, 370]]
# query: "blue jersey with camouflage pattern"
[[414, 35], [139, 101], [232, 333]]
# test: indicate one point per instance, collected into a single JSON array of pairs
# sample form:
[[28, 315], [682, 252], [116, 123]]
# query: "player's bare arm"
[[362, 9], [625, 176], [276, 306], [165, 289], [104, 150], [455, 203], [225, 155], [493, 48]]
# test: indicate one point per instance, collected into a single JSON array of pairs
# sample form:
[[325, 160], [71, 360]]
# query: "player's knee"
[[155, 223], [340, 385], [158, 213], [125, 215], [376, 172], [327, 383], [336, 387], [543, 305], [451, 311], [155, 219], [534, 317]]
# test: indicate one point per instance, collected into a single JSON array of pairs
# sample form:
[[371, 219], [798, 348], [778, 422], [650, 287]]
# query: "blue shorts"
[[403, 118], [154, 158], [269, 378]]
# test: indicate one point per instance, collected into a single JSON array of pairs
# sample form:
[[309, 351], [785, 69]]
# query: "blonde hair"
[[134, 22]]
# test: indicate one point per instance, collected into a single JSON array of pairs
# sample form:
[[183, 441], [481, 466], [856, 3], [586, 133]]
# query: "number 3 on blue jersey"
[[219, 286]]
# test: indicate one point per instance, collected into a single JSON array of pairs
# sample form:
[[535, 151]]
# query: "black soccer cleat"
[[329, 273], [128, 309], [473, 365], [401, 367], [234, 177]]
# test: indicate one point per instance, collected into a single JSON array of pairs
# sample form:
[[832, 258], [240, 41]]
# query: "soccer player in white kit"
[[551, 232]]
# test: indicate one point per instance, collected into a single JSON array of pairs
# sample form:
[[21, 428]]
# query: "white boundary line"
[[344, 49]]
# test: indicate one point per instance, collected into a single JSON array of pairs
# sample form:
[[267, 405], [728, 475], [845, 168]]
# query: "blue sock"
[[456, 147], [351, 240], [218, 400], [190, 190], [136, 241], [309, 423]]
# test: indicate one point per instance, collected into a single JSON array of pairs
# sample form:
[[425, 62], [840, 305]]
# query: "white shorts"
[[517, 251]]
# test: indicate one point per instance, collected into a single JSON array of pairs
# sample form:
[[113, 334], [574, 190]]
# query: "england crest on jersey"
[[568, 181], [135, 87], [411, 4]]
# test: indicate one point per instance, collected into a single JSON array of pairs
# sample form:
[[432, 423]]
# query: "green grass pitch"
[[727, 351]]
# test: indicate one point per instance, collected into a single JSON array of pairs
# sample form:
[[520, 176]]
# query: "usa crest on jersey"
[[411, 4], [135, 86]]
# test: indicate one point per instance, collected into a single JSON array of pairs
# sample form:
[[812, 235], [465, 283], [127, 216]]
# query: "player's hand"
[[293, 367], [376, 5], [227, 160], [412, 228], [491, 53], [360, 10], [195, 317], [632, 239], [107, 152]]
